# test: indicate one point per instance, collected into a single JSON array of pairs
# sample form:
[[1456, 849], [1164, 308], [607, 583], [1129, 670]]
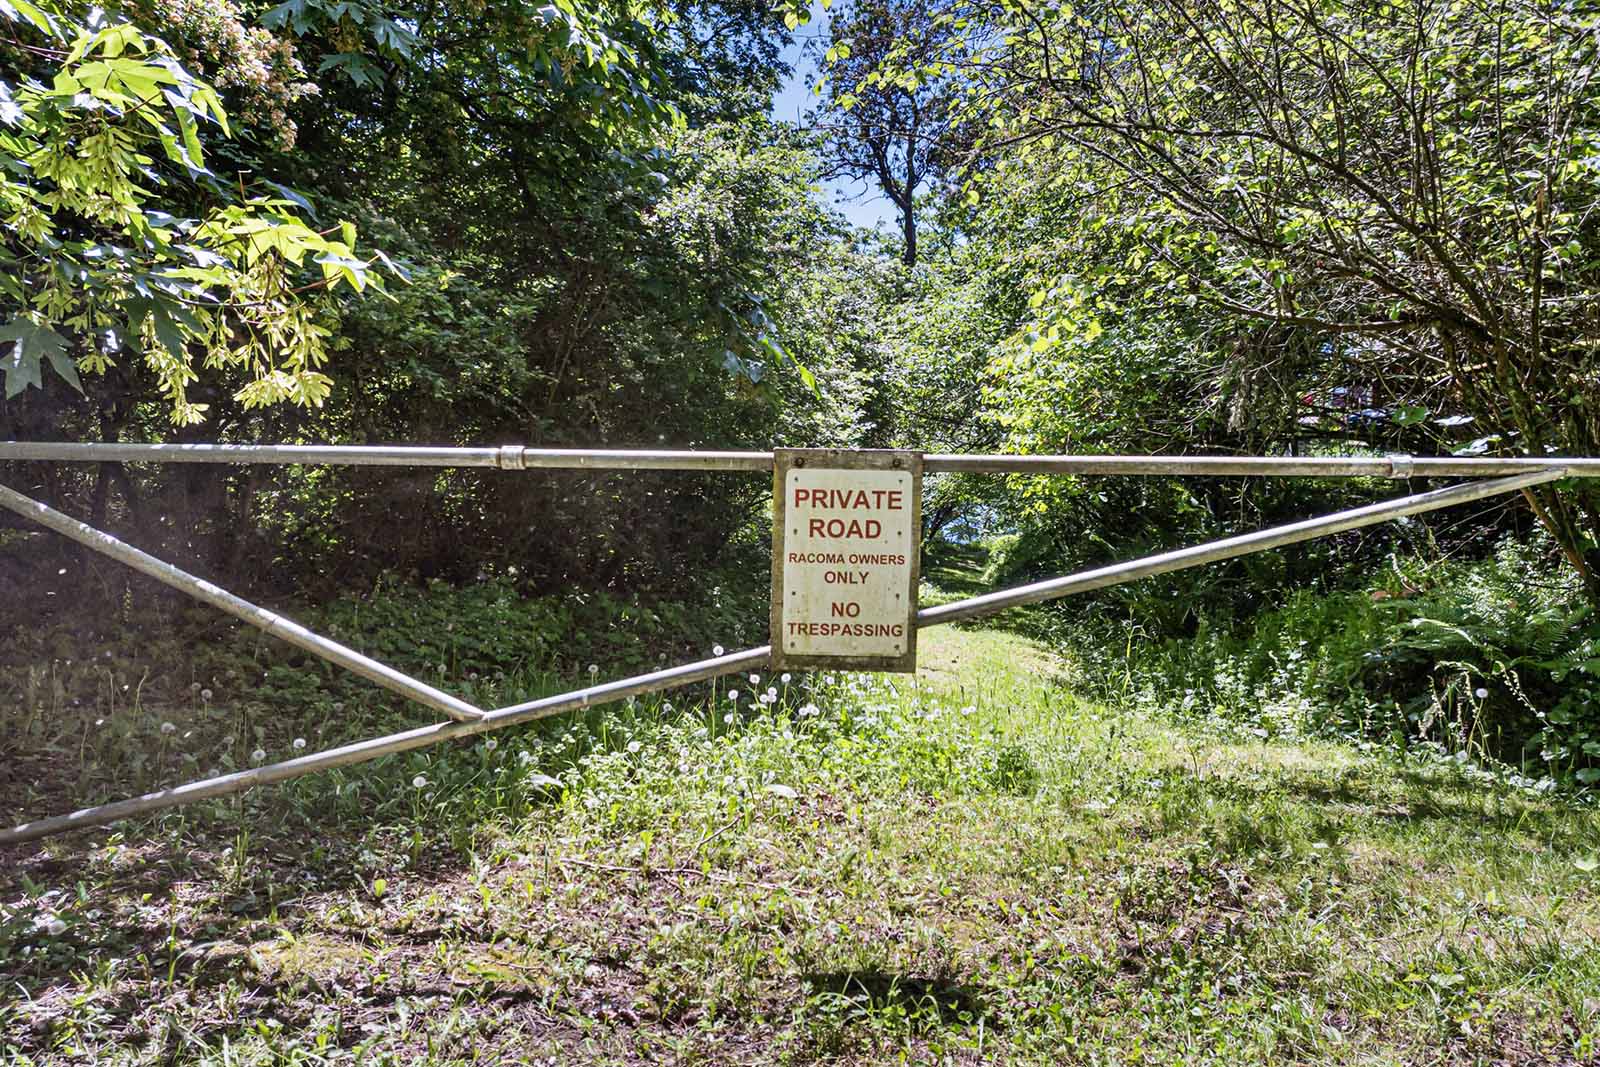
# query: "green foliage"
[[488, 628], [603, 250], [1495, 659], [103, 158], [1272, 228]]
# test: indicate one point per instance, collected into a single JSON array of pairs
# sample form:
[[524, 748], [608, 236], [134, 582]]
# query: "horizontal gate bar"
[[269, 621], [518, 457], [505, 457], [705, 670], [1394, 466]]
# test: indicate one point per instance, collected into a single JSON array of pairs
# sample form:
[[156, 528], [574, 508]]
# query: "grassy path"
[[970, 866]]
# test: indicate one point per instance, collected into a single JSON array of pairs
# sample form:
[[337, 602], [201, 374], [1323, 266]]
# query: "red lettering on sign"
[[867, 529], [851, 499]]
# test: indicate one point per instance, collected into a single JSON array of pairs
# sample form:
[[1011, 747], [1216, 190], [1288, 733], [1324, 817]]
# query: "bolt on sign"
[[846, 558]]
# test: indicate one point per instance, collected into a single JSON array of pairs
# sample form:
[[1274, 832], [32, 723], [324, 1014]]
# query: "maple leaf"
[[32, 344]]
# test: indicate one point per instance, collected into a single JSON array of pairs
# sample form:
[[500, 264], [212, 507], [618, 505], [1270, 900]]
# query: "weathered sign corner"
[[846, 558]]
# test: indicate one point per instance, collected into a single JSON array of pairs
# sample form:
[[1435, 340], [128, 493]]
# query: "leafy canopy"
[[120, 242]]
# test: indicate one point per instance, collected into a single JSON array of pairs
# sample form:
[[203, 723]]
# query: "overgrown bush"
[[1498, 658]]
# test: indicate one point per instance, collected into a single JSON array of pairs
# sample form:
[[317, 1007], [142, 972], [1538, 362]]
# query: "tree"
[[1396, 194], [120, 241], [887, 103]]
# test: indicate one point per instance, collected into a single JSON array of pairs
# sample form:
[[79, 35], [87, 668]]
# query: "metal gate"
[[1503, 476]]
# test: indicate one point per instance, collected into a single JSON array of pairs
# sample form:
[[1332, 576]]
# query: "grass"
[[970, 865]]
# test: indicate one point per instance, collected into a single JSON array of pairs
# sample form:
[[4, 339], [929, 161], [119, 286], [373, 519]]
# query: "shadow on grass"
[[926, 998], [1411, 800]]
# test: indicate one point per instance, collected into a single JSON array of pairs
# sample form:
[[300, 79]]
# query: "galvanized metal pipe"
[[269, 621], [515, 457], [741, 661], [519, 457], [1393, 466], [503, 457], [363, 455]]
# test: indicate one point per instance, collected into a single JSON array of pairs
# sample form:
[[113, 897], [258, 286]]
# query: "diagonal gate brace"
[[269, 621], [704, 670]]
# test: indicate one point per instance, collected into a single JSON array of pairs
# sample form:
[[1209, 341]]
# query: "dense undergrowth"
[[157, 690], [1495, 660]]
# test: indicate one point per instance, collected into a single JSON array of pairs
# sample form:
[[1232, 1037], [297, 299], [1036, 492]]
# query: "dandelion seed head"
[[258, 755], [490, 745], [716, 650], [205, 695], [419, 781], [755, 679], [1481, 693], [168, 729], [299, 743], [194, 687], [784, 678]]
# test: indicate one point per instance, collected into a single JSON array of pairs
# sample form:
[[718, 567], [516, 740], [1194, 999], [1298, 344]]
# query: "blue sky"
[[860, 202]]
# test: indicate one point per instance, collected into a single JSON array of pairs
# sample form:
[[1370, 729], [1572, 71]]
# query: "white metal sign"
[[846, 544]]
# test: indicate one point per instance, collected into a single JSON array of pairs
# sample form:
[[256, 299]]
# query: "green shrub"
[[1498, 658]]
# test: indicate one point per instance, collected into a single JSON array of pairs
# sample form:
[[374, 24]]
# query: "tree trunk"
[[908, 227]]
